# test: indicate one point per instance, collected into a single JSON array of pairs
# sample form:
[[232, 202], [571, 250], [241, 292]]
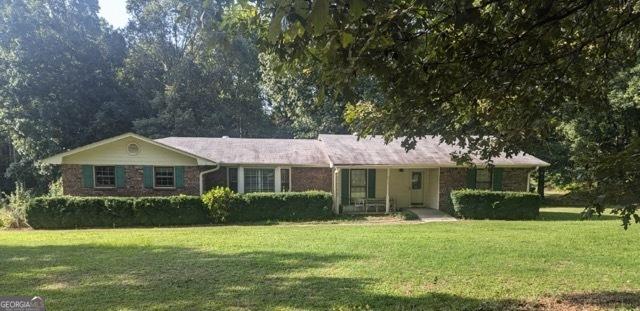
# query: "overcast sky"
[[115, 12]]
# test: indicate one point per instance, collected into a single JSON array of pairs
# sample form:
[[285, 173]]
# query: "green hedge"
[[281, 206], [95, 212], [482, 204], [221, 206]]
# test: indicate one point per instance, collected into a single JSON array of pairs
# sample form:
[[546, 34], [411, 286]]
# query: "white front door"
[[417, 194]]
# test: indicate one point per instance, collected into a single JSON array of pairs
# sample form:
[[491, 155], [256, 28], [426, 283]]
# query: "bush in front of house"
[[170, 211], [306, 205], [218, 202], [99, 212], [216, 206], [483, 204]]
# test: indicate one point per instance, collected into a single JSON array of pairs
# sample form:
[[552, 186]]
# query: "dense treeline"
[[68, 79]]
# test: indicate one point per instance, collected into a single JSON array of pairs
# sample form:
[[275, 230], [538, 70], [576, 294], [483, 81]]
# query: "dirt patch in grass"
[[587, 302]]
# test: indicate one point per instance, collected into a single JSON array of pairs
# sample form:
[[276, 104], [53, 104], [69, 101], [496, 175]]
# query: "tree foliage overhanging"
[[492, 76]]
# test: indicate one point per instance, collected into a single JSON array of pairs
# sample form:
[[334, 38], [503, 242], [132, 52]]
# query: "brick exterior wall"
[[215, 179], [311, 178], [513, 179], [450, 179], [134, 185]]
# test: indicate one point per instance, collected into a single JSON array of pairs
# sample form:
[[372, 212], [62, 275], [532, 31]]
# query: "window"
[[232, 182], [483, 179], [416, 180], [105, 176], [164, 177], [259, 180], [285, 186], [358, 184]]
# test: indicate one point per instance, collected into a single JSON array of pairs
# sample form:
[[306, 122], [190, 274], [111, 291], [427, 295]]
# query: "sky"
[[115, 12]]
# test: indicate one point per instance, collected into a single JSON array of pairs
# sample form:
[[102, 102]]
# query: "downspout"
[[206, 172]]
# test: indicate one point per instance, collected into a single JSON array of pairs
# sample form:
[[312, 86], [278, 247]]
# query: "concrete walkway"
[[432, 215]]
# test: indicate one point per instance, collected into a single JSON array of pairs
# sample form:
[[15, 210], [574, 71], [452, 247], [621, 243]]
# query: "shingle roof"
[[303, 152], [348, 150], [340, 150]]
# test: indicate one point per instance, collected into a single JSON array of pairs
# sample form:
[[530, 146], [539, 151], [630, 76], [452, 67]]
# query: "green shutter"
[[497, 179], [471, 178], [179, 171], [147, 176], [120, 176], [87, 176], [344, 192], [371, 184]]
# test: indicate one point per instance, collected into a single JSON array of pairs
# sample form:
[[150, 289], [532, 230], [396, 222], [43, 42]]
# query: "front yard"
[[554, 263]]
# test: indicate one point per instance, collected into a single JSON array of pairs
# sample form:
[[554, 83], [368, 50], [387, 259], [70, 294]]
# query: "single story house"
[[364, 175]]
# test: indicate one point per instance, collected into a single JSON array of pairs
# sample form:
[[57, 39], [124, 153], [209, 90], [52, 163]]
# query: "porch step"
[[431, 215]]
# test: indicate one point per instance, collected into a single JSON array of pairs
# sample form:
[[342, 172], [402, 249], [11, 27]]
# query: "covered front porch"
[[371, 190]]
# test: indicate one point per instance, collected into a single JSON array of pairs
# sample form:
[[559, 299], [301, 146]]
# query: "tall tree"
[[58, 87], [192, 79]]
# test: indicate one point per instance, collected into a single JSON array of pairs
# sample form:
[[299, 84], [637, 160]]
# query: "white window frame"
[[237, 177], [155, 185], [95, 177], [366, 182], [276, 173], [280, 180]]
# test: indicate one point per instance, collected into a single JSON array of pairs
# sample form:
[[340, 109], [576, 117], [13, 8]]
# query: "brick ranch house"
[[364, 175]]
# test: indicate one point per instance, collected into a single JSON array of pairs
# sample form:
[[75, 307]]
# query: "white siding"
[[116, 153]]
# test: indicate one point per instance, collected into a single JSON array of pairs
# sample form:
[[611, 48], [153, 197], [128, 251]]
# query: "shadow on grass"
[[335, 218], [151, 277], [572, 216]]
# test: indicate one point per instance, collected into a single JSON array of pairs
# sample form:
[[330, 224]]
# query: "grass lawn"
[[455, 265]]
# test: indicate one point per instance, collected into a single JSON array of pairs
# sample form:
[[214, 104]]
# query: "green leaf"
[[275, 28], [346, 39], [319, 16], [301, 7], [356, 7]]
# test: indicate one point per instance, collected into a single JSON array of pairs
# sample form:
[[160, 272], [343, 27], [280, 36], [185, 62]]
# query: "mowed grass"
[[456, 265]]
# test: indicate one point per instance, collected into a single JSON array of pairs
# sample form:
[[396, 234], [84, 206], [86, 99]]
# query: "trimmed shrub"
[[281, 206], [217, 205], [219, 201], [170, 211], [482, 204], [85, 212]]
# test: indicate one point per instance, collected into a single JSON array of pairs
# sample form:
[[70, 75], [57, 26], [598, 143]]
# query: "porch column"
[[277, 184], [387, 203], [240, 179], [336, 191]]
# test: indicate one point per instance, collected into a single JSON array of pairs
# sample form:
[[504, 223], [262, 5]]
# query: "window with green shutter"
[[497, 179], [471, 178], [344, 186], [179, 176], [120, 176], [87, 176], [371, 184], [147, 176]]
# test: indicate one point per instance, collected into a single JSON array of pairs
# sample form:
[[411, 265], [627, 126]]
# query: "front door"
[[417, 195]]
